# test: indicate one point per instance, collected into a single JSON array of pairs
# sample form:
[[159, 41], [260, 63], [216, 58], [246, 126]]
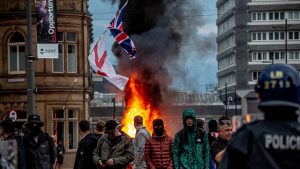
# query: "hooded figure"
[[191, 146]]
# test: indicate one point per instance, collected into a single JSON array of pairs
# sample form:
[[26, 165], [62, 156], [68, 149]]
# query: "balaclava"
[[35, 129], [159, 131]]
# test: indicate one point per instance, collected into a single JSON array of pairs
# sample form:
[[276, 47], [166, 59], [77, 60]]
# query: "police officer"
[[275, 141]]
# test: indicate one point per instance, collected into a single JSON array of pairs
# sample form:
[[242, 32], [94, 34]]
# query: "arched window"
[[16, 54]]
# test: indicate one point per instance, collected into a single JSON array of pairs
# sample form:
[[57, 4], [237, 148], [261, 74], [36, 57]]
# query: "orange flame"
[[137, 104]]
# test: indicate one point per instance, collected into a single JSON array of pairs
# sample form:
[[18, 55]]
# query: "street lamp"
[[226, 109], [30, 59], [230, 99]]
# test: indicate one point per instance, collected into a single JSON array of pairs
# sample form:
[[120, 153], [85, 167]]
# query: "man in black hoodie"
[[87, 144], [7, 128]]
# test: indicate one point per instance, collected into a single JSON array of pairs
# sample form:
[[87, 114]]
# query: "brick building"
[[63, 89]]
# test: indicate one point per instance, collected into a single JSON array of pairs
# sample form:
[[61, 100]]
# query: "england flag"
[[102, 66]]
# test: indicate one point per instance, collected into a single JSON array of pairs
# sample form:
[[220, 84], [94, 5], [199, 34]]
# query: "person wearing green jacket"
[[114, 149], [191, 145]]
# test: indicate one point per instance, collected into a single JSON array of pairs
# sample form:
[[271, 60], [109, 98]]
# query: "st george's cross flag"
[[120, 36], [102, 66]]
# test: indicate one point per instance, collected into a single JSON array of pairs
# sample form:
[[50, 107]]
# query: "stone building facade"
[[63, 88]]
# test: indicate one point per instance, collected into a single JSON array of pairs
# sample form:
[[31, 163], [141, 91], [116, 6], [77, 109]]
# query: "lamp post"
[[286, 37], [30, 60], [235, 102], [114, 108], [226, 109]]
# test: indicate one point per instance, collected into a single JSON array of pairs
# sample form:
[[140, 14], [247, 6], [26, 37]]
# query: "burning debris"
[[161, 30], [142, 98]]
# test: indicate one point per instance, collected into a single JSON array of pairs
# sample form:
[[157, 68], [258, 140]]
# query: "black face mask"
[[35, 130], [159, 131]]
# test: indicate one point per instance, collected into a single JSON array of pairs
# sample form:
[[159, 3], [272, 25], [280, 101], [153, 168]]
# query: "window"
[[259, 16], [255, 75], [270, 16], [277, 55], [259, 36], [65, 126], [16, 54], [226, 61], [271, 36], [281, 15], [293, 15], [282, 55], [259, 56], [58, 64], [227, 43], [264, 36], [226, 6], [254, 36], [72, 65], [271, 55], [294, 55], [276, 35], [67, 53], [264, 16], [276, 16], [229, 23], [293, 35], [229, 79], [282, 36], [254, 16]]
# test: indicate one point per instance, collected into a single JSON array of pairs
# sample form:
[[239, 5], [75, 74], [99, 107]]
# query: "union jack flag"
[[124, 41], [117, 21]]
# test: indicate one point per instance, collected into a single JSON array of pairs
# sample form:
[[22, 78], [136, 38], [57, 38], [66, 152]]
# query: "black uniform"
[[264, 145], [273, 143]]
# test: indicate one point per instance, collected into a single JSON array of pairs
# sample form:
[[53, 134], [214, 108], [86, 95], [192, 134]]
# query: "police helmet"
[[279, 86]]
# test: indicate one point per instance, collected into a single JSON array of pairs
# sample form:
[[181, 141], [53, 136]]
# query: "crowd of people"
[[269, 143]]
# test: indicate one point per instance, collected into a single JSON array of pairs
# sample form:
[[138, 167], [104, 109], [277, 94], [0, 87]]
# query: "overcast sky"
[[103, 12]]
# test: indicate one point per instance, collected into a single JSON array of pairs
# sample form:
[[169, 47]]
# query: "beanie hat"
[[212, 125], [110, 125], [158, 122], [8, 125]]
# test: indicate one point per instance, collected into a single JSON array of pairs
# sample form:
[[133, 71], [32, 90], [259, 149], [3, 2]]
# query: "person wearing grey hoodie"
[[139, 142]]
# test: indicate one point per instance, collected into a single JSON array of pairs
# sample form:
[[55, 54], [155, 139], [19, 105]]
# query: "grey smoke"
[[168, 43]]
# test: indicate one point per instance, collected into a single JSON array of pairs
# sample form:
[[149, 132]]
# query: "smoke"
[[169, 43]]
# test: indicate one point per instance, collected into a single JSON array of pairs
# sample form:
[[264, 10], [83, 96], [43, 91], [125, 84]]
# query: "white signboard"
[[13, 115], [47, 51]]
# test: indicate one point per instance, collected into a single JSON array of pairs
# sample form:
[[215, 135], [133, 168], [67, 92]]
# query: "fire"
[[137, 103]]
